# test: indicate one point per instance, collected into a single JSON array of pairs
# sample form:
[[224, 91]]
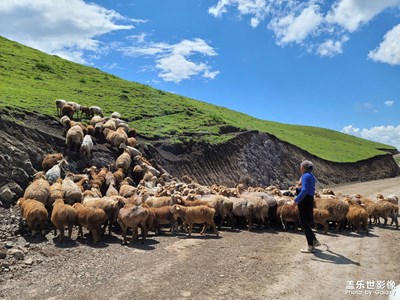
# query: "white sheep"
[[71, 191], [86, 147], [95, 110], [55, 172], [116, 115], [59, 105]]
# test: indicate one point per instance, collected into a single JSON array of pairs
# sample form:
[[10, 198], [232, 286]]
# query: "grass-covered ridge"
[[32, 80]]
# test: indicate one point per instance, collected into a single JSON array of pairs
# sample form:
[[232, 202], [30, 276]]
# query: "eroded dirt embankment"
[[262, 159]]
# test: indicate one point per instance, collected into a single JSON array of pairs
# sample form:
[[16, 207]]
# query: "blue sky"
[[332, 64]]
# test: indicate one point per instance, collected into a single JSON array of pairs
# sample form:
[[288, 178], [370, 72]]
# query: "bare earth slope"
[[238, 265]]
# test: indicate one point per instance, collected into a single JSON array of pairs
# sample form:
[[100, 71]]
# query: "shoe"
[[310, 249], [316, 243]]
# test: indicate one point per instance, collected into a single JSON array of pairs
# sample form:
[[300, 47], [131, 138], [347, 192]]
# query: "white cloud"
[[389, 135], [389, 49], [389, 103], [351, 14], [257, 8], [67, 28], [177, 62], [306, 22], [331, 48], [293, 28]]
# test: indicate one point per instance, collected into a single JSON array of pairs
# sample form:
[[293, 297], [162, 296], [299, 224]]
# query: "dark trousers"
[[307, 218]]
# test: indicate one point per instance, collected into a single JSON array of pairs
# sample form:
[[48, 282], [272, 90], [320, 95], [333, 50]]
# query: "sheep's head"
[[39, 175]]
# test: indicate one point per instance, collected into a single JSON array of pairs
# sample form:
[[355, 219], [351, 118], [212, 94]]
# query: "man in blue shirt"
[[305, 202]]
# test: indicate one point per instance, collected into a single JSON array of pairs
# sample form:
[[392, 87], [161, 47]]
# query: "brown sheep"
[[68, 110], [126, 189], [91, 218], [162, 216], [357, 215], [63, 215], [288, 213], [321, 217], [195, 215], [163, 201], [51, 160], [34, 213], [39, 189], [113, 137], [338, 210], [124, 161], [55, 192], [133, 216], [111, 206], [74, 138]]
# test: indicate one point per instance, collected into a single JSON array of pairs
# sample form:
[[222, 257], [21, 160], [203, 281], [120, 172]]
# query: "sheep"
[[74, 138], [110, 124], [392, 199], [327, 192], [194, 202], [124, 161], [260, 210], [82, 183], [54, 173], [92, 193], [61, 216], [131, 141], [386, 209], [116, 115], [111, 206], [91, 218], [113, 137], [71, 191], [223, 207], [95, 110], [163, 201], [96, 119], [34, 213], [357, 215], [133, 216], [55, 192], [76, 107], [162, 216], [85, 110], [131, 150], [119, 175], [86, 147], [59, 105], [126, 189], [112, 191], [98, 179], [66, 123], [51, 160], [68, 110], [321, 217], [195, 215], [288, 213], [338, 209], [39, 189], [242, 207]]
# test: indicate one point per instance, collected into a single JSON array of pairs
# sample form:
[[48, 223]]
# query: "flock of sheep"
[[132, 193]]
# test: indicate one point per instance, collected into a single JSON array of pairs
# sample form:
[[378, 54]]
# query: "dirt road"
[[238, 265]]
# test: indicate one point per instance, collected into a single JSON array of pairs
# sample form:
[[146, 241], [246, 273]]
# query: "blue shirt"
[[307, 187]]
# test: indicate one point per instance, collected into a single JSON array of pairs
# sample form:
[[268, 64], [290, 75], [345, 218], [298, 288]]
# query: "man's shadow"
[[328, 256]]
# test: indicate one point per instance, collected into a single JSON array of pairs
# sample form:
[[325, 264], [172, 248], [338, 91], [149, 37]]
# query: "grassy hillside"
[[32, 80]]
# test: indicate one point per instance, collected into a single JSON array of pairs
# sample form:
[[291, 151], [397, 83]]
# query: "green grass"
[[32, 80]]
